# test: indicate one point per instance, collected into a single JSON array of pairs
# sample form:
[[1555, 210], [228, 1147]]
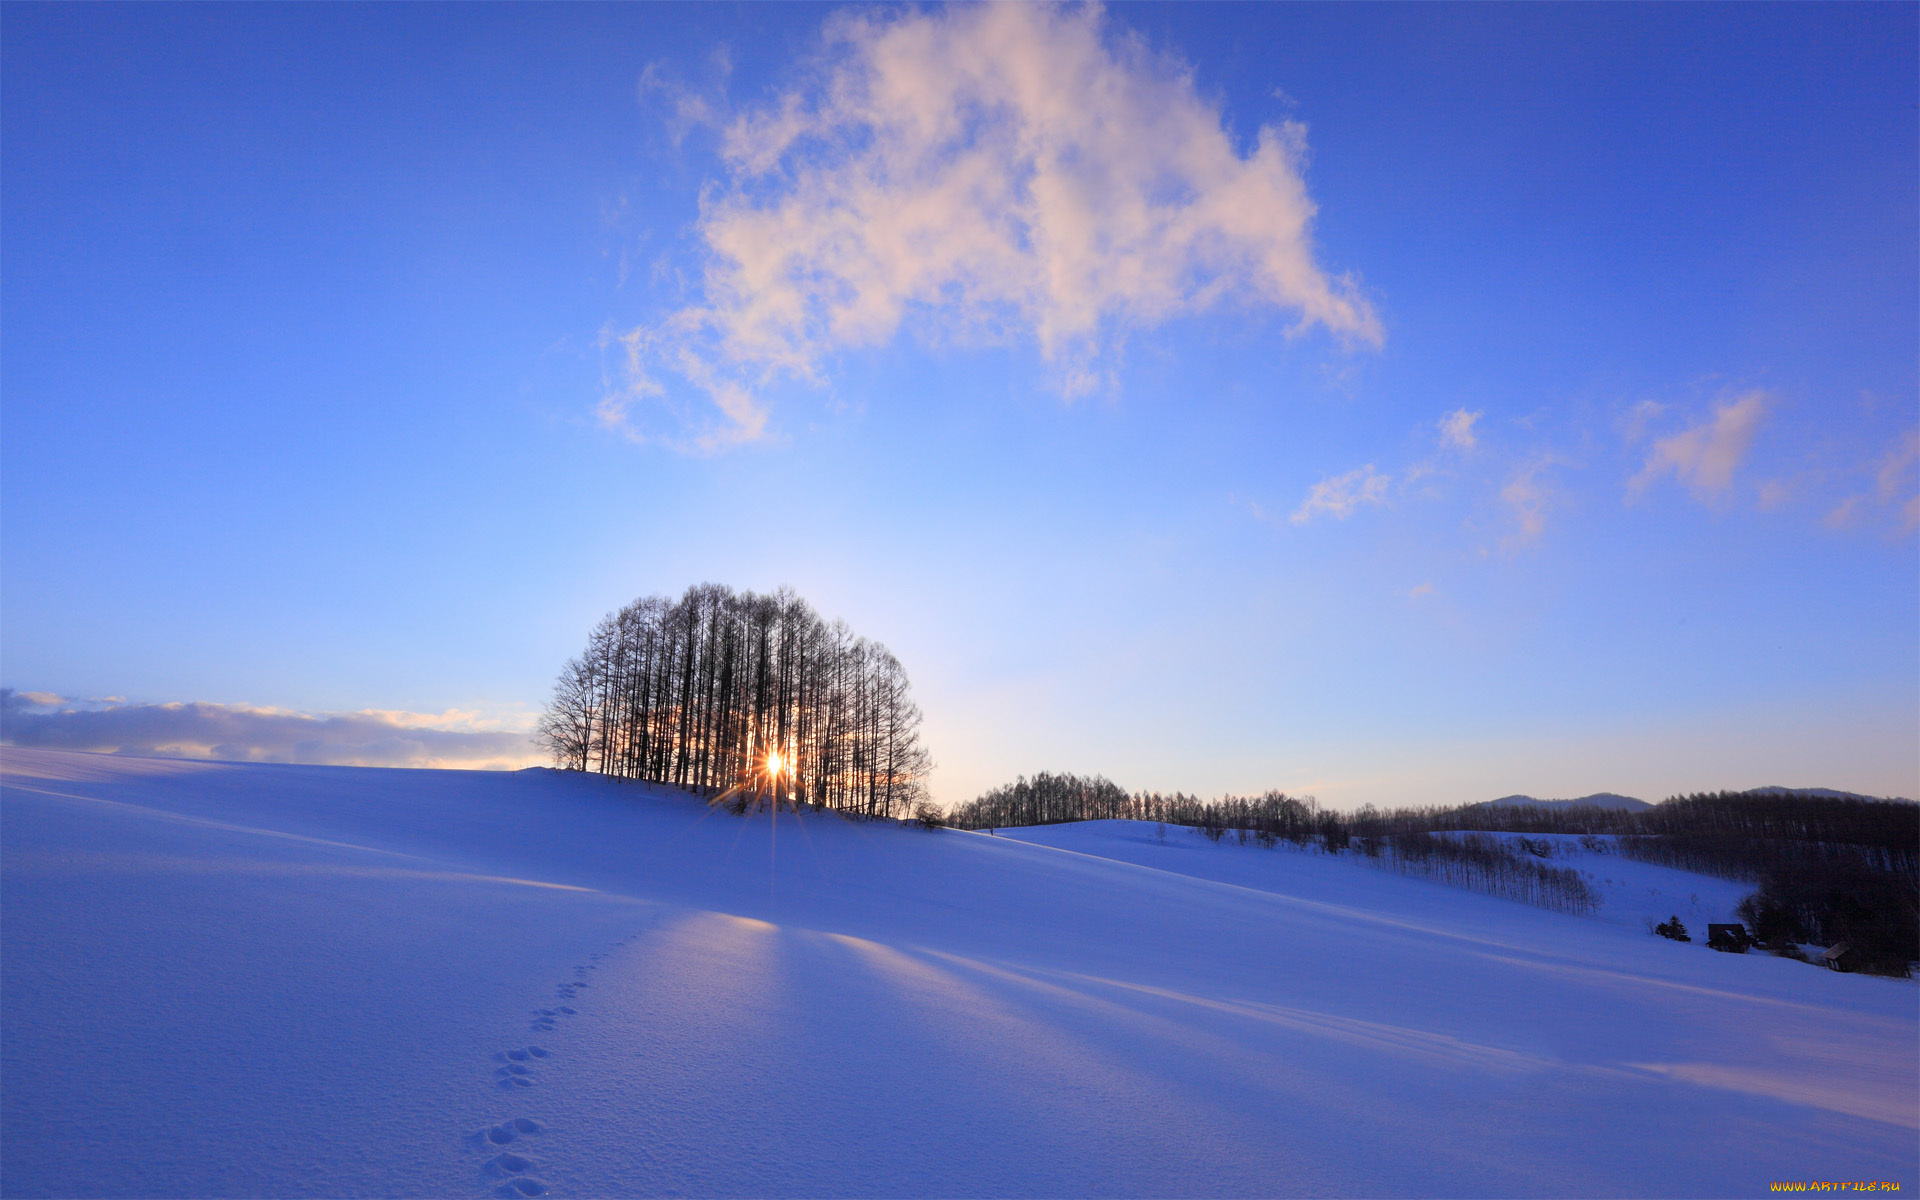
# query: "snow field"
[[225, 979], [1632, 893]]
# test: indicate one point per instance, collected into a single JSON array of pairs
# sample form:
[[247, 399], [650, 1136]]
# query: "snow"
[[1633, 895], [225, 979]]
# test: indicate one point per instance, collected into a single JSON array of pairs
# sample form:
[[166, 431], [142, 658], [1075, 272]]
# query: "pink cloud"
[[986, 173], [1706, 456]]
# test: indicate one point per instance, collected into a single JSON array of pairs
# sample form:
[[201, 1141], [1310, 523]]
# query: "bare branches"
[[698, 692]]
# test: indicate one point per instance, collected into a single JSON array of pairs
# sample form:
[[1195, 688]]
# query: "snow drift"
[[224, 979]]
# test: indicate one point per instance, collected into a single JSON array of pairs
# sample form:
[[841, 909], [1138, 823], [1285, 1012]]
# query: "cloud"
[[1895, 475], [1841, 515], [1530, 498], [1892, 476], [1341, 494], [1456, 429], [1706, 456], [1456, 433], [243, 733], [1893, 468], [1634, 426], [1419, 590], [986, 173], [1775, 494]]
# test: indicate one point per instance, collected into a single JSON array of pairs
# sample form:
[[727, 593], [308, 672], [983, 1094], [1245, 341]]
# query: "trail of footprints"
[[513, 1072]]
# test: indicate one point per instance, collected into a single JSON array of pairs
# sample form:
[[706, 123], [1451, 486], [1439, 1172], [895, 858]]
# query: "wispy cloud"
[[1633, 426], [1706, 456], [1530, 496], [1896, 476], [1897, 466], [1456, 435], [979, 172], [1339, 495], [1893, 487], [1843, 514], [1456, 430], [1774, 495], [243, 733]]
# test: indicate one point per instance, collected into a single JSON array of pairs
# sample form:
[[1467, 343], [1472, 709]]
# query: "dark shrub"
[[1672, 928]]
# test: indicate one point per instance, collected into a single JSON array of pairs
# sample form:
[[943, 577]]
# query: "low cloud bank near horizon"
[[993, 173], [243, 733]]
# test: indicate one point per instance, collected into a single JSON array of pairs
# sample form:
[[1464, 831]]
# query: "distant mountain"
[[1597, 800], [1629, 804], [1819, 794]]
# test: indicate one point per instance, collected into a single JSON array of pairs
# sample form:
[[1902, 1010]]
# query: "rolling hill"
[[225, 979]]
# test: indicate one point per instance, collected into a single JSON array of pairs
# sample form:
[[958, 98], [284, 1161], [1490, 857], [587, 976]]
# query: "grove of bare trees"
[[722, 690]]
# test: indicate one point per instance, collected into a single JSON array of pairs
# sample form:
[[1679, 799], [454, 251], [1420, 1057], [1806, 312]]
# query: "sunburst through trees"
[[722, 690]]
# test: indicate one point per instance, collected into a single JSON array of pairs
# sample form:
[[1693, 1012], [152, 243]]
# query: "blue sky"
[[1393, 404]]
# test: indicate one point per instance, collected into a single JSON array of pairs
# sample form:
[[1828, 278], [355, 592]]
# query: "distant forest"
[[1478, 863], [699, 692], [1738, 835], [1828, 869]]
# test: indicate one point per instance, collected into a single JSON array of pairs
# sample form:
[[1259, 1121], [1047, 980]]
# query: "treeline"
[[1486, 864], [1049, 799], [1829, 869], [1889, 828], [1479, 863], [699, 692], [1884, 832], [1734, 834], [1876, 913]]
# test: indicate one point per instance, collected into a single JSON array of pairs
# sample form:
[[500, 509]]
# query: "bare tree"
[[567, 725], [699, 691]]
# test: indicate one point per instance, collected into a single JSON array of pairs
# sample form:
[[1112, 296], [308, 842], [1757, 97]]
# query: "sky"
[[1391, 404]]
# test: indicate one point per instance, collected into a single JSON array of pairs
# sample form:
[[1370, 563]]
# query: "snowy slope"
[[1632, 894], [245, 979]]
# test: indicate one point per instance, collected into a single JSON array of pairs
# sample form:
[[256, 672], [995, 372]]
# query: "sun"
[[773, 763]]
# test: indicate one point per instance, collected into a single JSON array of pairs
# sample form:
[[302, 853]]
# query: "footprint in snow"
[[512, 1073], [511, 1076], [501, 1166], [514, 1169], [506, 1131]]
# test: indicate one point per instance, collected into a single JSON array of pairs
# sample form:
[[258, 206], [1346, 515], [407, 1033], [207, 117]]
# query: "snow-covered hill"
[[242, 979], [1633, 895]]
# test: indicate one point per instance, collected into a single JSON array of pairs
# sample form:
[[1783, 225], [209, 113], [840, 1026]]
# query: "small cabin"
[[1731, 938], [1842, 957]]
